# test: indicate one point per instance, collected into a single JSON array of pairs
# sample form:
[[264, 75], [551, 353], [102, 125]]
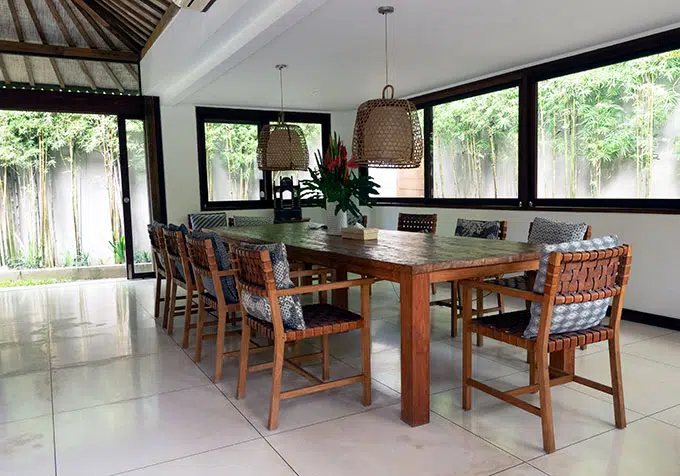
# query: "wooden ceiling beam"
[[43, 40], [105, 36], [153, 7], [136, 9], [98, 16], [115, 18], [133, 24], [35, 49], [88, 40], [20, 37], [3, 70], [165, 21]]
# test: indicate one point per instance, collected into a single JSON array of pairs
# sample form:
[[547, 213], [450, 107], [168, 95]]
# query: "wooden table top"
[[416, 252]]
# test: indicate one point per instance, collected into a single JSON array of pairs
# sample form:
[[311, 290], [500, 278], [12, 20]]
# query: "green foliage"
[[142, 257], [83, 259], [336, 181], [235, 147], [14, 283], [27, 259], [118, 247]]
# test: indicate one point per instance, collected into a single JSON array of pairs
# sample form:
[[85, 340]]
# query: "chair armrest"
[[325, 287], [303, 273], [504, 290]]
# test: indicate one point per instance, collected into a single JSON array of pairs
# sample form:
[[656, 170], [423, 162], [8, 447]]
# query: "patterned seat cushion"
[[199, 221], [515, 282], [548, 232], [568, 317], [252, 221], [490, 230], [223, 264], [291, 306]]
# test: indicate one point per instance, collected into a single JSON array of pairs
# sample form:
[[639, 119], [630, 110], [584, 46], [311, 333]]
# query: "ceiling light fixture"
[[282, 146], [387, 131]]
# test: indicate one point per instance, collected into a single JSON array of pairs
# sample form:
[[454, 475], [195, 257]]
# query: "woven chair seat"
[[320, 319], [510, 326]]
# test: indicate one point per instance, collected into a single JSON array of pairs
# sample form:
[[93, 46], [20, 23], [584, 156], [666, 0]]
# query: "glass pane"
[[611, 132], [401, 183], [475, 146], [312, 134], [232, 161], [139, 195]]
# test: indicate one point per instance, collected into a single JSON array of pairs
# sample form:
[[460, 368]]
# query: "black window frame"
[[527, 79], [260, 118]]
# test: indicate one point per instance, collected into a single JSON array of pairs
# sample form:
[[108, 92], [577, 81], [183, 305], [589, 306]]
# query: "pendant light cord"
[[281, 87], [387, 81]]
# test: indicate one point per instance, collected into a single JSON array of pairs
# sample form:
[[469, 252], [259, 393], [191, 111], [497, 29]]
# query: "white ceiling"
[[334, 48]]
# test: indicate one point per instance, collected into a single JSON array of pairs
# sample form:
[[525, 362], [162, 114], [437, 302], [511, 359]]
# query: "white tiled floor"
[[90, 385]]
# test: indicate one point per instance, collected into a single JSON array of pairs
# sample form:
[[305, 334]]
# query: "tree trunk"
[[565, 133], [574, 168], [493, 164], [554, 155], [650, 143]]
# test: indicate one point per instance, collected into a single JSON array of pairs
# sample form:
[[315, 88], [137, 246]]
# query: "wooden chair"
[[456, 304], [205, 268], [183, 277], [418, 224], [256, 277], [161, 265], [571, 278], [198, 221]]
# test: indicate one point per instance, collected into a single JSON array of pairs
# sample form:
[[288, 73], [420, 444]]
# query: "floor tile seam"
[[127, 471], [132, 399]]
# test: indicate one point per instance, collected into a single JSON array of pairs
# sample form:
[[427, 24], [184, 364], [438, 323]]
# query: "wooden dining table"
[[414, 260]]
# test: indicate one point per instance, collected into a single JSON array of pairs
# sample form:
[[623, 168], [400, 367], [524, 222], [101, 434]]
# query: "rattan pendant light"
[[387, 131], [282, 146]]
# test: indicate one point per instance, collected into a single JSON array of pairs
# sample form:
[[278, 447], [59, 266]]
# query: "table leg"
[[564, 360], [415, 349], [340, 297]]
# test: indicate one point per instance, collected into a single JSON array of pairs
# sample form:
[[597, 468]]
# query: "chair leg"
[[434, 288], [171, 308], [501, 303], [467, 348], [480, 314], [157, 298], [546, 401], [166, 303], [243, 362], [326, 373], [219, 344], [366, 346], [199, 329], [187, 317], [532, 367], [277, 369], [617, 383], [454, 308]]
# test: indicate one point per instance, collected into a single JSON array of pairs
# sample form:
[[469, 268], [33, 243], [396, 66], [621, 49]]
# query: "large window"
[[227, 155], [231, 161], [611, 132], [474, 146]]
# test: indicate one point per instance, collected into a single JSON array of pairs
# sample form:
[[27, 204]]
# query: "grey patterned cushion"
[[291, 306], [199, 221], [252, 221], [490, 230], [515, 282], [568, 317], [223, 264], [548, 232]]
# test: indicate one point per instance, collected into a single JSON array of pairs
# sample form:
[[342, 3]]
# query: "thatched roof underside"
[[87, 34]]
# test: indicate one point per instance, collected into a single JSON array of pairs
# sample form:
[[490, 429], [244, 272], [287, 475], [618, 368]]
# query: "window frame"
[[259, 118], [527, 79]]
